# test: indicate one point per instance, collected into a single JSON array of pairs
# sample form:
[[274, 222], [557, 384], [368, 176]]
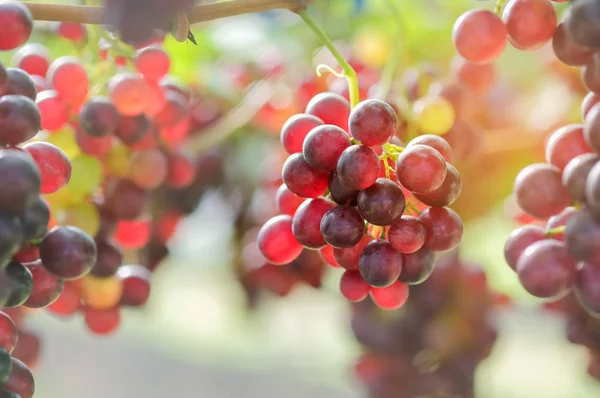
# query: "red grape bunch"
[[351, 191]]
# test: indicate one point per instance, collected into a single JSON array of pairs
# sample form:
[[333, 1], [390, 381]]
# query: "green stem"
[[348, 70], [555, 231], [498, 6]]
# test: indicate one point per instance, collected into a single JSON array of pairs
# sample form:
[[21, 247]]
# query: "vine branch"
[[198, 13]]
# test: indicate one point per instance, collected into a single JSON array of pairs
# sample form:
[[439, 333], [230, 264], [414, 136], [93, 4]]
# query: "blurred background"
[[205, 334]]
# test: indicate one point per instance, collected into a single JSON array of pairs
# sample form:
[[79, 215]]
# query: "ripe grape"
[[98, 117], [433, 115], [277, 242], [479, 36], [124, 199], [17, 24], [181, 171], [358, 167], [592, 190], [68, 302], [20, 119], [306, 223], [35, 220], [46, 286], [287, 201], [33, 58], [22, 283], [11, 236], [136, 284], [575, 175], [444, 228], [129, 93], [420, 168], [53, 165], [546, 269], [133, 234], [19, 82], [340, 193], [417, 266], [94, 146], [53, 111], [519, 240], [133, 129], [582, 235], [342, 226], [68, 252], [582, 23], [330, 108], [73, 31], [70, 80], [382, 202], [102, 321], [152, 62], [173, 112], [436, 142], [373, 122], [539, 191], [588, 102], [567, 51], [564, 144], [407, 234], [323, 146], [302, 179], [108, 260], [353, 287], [591, 128], [8, 333], [391, 297], [296, 129], [20, 380], [380, 264], [445, 194], [101, 293], [148, 169], [20, 183], [348, 258], [590, 74], [587, 287], [529, 23]]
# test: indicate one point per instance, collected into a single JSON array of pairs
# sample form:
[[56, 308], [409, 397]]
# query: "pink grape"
[[323, 146], [302, 179], [539, 191], [353, 287], [479, 36], [444, 228], [420, 168], [277, 242], [330, 108], [519, 240], [287, 201], [130, 93], [296, 129], [33, 58], [564, 144], [53, 164], [68, 77], [407, 234], [152, 62], [358, 167], [529, 23], [53, 111]]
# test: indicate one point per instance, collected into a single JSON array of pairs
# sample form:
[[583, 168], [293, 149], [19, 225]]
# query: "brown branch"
[[198, 13]]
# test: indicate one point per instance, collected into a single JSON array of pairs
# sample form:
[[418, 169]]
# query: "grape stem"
[[555, 231], [349, 72], [498, 6], [198, 13]]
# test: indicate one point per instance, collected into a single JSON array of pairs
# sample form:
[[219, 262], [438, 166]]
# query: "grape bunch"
[[432, 347], [347, 185]]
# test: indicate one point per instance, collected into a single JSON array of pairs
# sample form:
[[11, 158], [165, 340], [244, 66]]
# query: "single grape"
[[479, 36], [539, 191], [11, 236], [445, 194], [342, 227], [35, 220], [53, 164], [287, 201], [94, 146], [567, 50], [306, 224], [73, 31], [101, 293], [406, 234], [373, 122], [592, 190], [546, 269], [129, 93], [33, 58], [353, 286], [358, 167], [181, 171], [417, 266], [68, 252], [22, 283], [17, 24], [564, 144], [133, 234], [302, 179], [132, 129], [20, 183], [53, 111], [559, 220], [148, 169], [587, 287], [47, 287], [575, 175], [20, 119], [391, 297], [136, 284], [582, 23], [476, 78], [382, 202], [330, 108], [340, 193], [323, 146], [380, 264], [99, 117], [277, 242], [152, 62], [444, 228], [20, 380], [173, 112], [124, 199], [68, 77], [8, 332], [436, 142], [519, 240], [69, 302], [326, 254], [420, 168], [18, 82], [108, 260], [433, 115], [591, 128], [581, 235], [529, 23], [348, 258], [295, 129], [102, 322]]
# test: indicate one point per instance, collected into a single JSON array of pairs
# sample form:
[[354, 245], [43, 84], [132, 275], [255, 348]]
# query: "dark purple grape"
[[19, 82], [358, 167], [306, 223], [576, 173], [417, 266], [108, 259], [124, 199], [587, 287], [21, 379], [582, 235], [35, 220], [519, 240], [592, 189], [22, 283], [382, 202], [323, 146], [68, 252], [546, 269], [20, 119], [342, 227], [445, 194], [11, 236], [341, 194], [567, 51], [99, 117], [5, 369], [380, 264], [582, 23], [133, 129], [373, 122], [20, 183]]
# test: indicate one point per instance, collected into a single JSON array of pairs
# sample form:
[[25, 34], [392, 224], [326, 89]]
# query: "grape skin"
[[479, 36], [417, 266], [277, 242], [323, 146], [539, 191], [358, 167], [519, 240], [444, 228], [576, 173], [306, 224], [342, 227], [382, 202], [380, 264], [564, 144], [302, 179], [529, 23], [420, 168], [373, 122], [68, 252]]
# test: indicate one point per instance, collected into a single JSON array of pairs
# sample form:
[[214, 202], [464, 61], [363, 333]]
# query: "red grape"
[[296, 129], [587, 287], [420, 168], [330, 108], [436, 142], [130, 93], [529, 23], [382, 202], [53, 165], [287, 201], [373, 122], [582, 235], [353, 287], [380, 264], [20, 182], [519, 240], [342, 227], [17, 24], [539, 191], [444, 228], [567, 51], [479, 36], [340, 193], [98, 117], [46, 286], [302, 179], [277, 242], [73, 31], [136, 284], [108, 259], [407, 234], [102, 321], [181, 172], [391, 297], [8, 333], [358, 167], [323, 146], [68, 252], [20, 119], [33, 58], [68, 77], [306, 223], [152, 62], [68, 303], [417, 266], [21, 379], [53, 110]]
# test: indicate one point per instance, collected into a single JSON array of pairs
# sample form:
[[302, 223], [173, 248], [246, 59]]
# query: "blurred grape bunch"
[[136, 20]]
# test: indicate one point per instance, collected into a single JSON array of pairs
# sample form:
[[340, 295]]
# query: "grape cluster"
[[347, 185], [431, 347]]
